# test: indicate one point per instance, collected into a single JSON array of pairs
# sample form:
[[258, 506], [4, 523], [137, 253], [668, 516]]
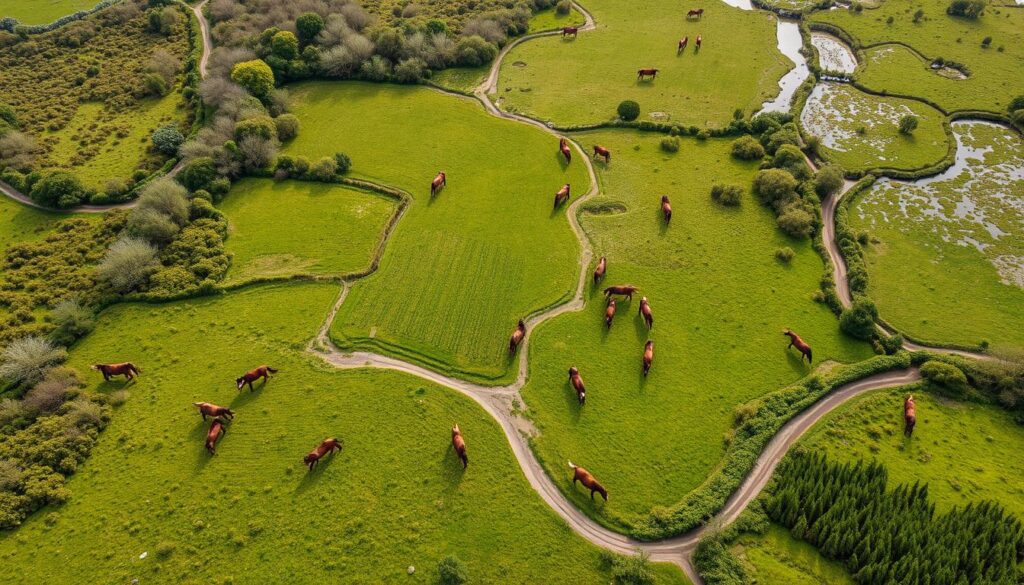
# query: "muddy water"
[[833, 54]]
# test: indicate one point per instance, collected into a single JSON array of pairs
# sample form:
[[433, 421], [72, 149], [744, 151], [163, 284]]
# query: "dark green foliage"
[[747, 148], [628, 570], [194, 261], [285, 45], [893, 536], [260, 126], [410, 70], [728, 195], [859, 319], [58, 189], [167, 139], [908, 124], [629, 110], [344, 162], [778, 188], [972, 9], [945, 378], [450, 571], [670, 144], [716, 565], [198, 173], [287, 127], [8, 115], [70, 322], [307, 26], [785, 255], [829, 180], [474, 51], [563, 7], [790, 158]]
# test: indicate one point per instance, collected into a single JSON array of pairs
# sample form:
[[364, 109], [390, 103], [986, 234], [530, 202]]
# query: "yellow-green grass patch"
[[775, 557], [42, 11], [550, 19], [21, 223]]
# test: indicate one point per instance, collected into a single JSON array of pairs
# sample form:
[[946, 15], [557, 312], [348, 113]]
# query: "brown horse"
[[570, 30], [562, 196], [648, 356], [625, 290], [126, 369], [253, 375], [563, 147], [460, 446], [698, 12], [666, 208], [217, 429], [577, 384], [682, 44], [583, 476], [603, 152], [441, 180], [800, 344], [326, 447], [642, 73], [645, 312], [206, 409], [602, 264], [909, 415], [517, 337], [696, 46], [609, 313]]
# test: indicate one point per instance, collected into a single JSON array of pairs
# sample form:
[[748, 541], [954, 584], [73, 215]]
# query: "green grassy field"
[[460, 270], [288, 228], [775, 557], [720, 301], [21, 223], [995, 73], [965, 452], [396, 496], [948, 263], [42, 11], [549, 19], [860, 131], [582, 81]]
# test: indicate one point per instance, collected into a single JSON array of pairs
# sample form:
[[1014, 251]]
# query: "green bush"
[[58, 189], [971, 9], [285, 45], [563, 7], [796, 221], [167, 139], [908, 124], [774, 185], [945, 378], [8, 115], [829, 180], [728, 195], [287, 127], [785, 254], [629, 110], [255, 76], [71, 321], [128, 264], [858, 320], [259, 126], [716, 564], [410, 70], [474, 51], [325, 169], [25, 361], [197, 173], [308, 26], [450, 571], [747, 148], [152, 226], [670, 144], [790, 158], [344, 162]]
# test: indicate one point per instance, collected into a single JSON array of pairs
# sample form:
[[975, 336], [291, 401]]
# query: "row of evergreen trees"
[[893, 537]]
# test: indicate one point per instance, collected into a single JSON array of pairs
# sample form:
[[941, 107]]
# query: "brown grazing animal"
[[641, 73], [441, 180], [603, 152], [645, 312], [626, 290], [326, 447], [577, 384], [570, 30], [563, 147], [666, 208], [460, 445], [697, 45], [699, 12], [682, 45], [206, 409], [562, 196], [602, 265], [800, 344], [253, 375], [217, 430], [609, 313], [583, 476], [126, 369], [648, 356], [517, 337], [909, 415]]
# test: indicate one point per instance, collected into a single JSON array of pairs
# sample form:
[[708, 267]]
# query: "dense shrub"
[[628, 570], [25, 361], [716, 565], [128, 264], [8, 115], [787, 134], [255, 76], [287, 127], [972, 9], [747, 148], [70, 322], [260, 126], [474, 51], [166, 197], [450, 571], [728, 195], [790, 158], [324, 169], [828, 180], [285, 45], [197, 173], [908, 124], [945, 378], [152, 226], [670, 144], [167, 139], [563, 7], [58, 189], [774, 185], [344, 162], [410, 70], [858, 320], [785, 254], [49, 394], [308, 26], [629, 110], [796, 221]]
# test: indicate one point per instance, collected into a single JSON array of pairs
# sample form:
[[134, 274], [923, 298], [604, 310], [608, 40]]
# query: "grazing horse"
[[698, 12], [206, 409], [563, 147], [800, 344], [626, 290], [253, 375], [602, 264], [666, 208], [609, 313], [460, 446], [562, 196], [570, 30], [641, 73], [217, 429], [645, 312], [648, 356], [682, 44], [326, 447], [517, 337], [126, 369], [441, 180], [909, 415], [603, 152], [577, 384], [696, 46], [583, 476]]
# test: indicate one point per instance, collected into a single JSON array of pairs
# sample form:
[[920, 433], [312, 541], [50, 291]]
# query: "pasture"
[[965, 452], [550, 19], [21, 223], [581, 81], [151, 504], [945, 258], [777, 557], [994, 69], [42, 11], [720, 301], [861, 131], [463, 267], [280, 229]]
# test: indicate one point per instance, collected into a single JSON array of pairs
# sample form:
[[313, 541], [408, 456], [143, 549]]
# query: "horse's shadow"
[[659, 217], [796, 361], [197, 437], [557, 210], [245, 396], [451, 468], [561, 159], [115, 385], [310, 477], [572, 401]]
